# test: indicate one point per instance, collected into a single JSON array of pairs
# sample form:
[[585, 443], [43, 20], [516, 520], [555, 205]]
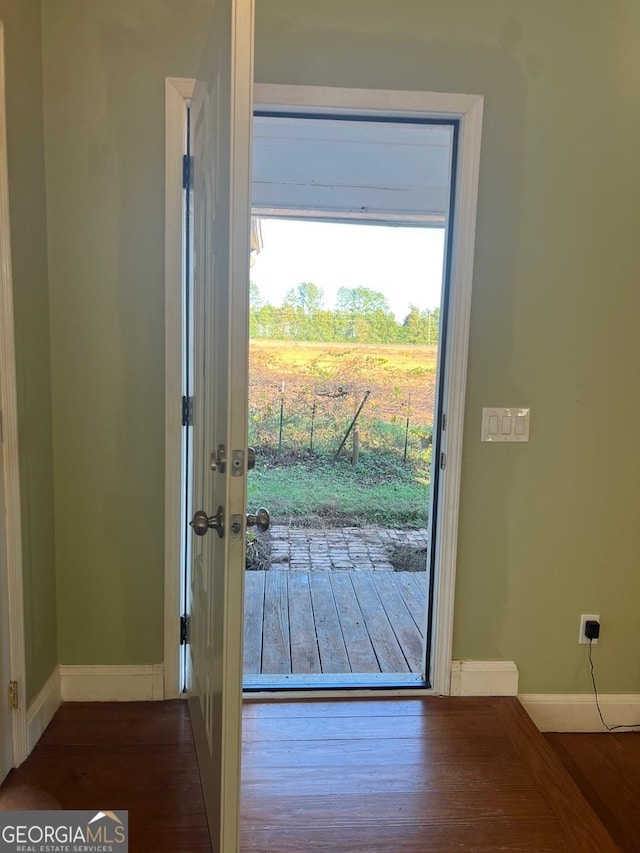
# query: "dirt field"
[[400, 378]]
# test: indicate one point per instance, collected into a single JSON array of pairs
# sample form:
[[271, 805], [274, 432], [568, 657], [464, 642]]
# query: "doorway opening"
[[462, 114], [348, 295]]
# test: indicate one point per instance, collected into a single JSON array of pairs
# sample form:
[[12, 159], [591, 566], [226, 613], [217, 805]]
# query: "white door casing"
[[13, 724], [178, 92], [221, 116], [468, 111]]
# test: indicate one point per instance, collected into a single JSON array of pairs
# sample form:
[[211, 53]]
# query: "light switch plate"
[[505, 424]]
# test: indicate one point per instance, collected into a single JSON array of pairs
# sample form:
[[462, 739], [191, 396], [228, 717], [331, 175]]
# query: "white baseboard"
[[484, 678], [41, 710], [144, 683], [92, 684], [577, 712]]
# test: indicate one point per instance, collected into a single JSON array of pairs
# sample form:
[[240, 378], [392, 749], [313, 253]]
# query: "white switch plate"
[[505, 424]]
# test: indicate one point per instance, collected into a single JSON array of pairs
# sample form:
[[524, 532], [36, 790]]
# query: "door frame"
[[178, 93], [467, 110], [9, 449]]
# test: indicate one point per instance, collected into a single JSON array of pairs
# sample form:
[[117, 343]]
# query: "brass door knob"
[[202, 522], [261, 519]]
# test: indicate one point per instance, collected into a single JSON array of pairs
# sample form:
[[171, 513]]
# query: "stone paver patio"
[[339, 548]]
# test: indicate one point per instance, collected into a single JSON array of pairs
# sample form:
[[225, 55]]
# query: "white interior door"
[[221, 115]]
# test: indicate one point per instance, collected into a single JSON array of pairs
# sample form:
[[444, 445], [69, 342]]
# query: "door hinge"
[[444, 422], [187, 411], [184, 630], [187, 172], [443, 461], [13, 695]]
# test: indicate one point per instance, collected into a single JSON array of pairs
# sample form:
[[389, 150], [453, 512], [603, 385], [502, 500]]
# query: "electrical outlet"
[[582, 639]]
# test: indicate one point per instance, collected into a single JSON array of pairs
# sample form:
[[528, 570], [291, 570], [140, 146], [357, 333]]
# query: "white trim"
[[92, 684], [468, 678], [429, 220], [335, 681], [363, 101], [43, 707], [11, 459], [455, 384], [484, 678], [178, 91], [468, 109], [144, 683], [338, 693], [577, 712], [183, 86]]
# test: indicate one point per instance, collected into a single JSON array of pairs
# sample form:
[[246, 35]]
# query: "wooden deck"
[[323, 622]]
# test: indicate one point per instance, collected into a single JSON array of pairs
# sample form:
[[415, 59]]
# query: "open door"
[[221, 115]]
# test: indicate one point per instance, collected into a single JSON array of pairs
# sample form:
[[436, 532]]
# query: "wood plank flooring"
[[135, 755], [386, 776], [347, 776], [606, 768], [322, 622]]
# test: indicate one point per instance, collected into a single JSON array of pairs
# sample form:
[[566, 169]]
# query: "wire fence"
[[329, 419]]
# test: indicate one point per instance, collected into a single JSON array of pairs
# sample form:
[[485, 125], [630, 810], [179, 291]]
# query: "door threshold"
[[339, 683]]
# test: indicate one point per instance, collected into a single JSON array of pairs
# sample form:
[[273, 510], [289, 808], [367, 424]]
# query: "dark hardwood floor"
[[378, 776], [606, 768], [135, 755], [374, 776]]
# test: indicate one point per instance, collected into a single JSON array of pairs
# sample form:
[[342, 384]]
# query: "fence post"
[[356, 447], [281, 416], [406, 430], [313, 418], [351, 426]]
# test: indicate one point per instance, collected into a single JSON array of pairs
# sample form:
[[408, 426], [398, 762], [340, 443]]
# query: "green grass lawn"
[[377, 491]]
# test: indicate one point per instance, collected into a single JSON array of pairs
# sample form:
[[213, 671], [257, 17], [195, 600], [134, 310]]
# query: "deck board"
[[333, 653], [400, 619], [412, 586], [276, 648], [327, 622], [305, 657], [362, 657], [383, 638], [253, 614]]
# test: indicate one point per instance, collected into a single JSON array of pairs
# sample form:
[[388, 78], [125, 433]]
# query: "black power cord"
[[595, 693]]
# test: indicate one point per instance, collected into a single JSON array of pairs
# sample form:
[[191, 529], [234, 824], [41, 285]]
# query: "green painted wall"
[[31, 306], [104, 71], [547, 530]]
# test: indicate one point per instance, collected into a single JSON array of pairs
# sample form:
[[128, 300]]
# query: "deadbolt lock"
[[219, 459]]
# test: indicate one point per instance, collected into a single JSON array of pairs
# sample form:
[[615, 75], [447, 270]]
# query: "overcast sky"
[[403, 263]]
